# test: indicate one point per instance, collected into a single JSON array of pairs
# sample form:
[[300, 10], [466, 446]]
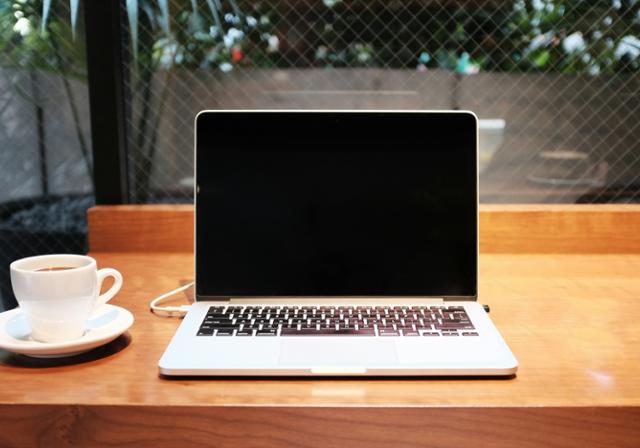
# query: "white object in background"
[[106, 324], [58, 303], [491, 134]]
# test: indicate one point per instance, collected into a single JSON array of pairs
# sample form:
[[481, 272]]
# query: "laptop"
[[336, 243]]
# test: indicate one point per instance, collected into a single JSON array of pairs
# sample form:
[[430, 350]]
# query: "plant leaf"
[[74, 16], [236, 9], [164, 10], [216, 17], [132, 15], [542, 59], [46, 7]]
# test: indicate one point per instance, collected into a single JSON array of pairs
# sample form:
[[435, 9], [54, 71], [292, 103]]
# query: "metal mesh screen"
[[555, 83], [45, 141]]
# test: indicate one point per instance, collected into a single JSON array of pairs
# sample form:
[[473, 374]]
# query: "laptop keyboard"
[[384, 321]]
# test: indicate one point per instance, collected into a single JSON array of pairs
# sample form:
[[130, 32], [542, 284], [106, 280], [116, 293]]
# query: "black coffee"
[[55, 268]]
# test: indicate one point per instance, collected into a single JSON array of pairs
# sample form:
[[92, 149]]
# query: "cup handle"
[[108, 295]]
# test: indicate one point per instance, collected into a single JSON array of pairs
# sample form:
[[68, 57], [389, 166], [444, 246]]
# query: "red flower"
[[236, 54]]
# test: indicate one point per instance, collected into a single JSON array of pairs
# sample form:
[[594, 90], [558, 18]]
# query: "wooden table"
[[571, 320]]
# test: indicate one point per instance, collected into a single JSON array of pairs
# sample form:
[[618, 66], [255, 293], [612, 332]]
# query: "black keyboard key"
[[364, 332], [208, 332], [469, 333], [217, 320], [266, 332], [244, 332], [388, 332], [350, 332], [225, 332], [453, 326], [225, 325], [410, 333], [217, 316], [301, 332]]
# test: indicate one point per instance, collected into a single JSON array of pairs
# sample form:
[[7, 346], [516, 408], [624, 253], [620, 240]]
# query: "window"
[[45, 138], [555, 84]]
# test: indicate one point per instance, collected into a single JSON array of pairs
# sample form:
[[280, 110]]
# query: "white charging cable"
[[170, 311]]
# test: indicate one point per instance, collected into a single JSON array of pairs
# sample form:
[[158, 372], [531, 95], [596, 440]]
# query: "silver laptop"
[[336, 243]]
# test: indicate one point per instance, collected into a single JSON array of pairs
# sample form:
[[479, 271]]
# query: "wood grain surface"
[[506, 229], [322, 426], [571, 320]]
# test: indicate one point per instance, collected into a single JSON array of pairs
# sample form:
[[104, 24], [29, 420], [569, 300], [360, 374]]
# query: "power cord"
[[170, 311]]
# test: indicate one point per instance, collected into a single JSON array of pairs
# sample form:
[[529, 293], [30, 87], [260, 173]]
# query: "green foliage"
[[215, 36], [23, 45], [566, 36], [571, 36]]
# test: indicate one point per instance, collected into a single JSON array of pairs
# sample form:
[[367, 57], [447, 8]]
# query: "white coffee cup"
[[58, 303]]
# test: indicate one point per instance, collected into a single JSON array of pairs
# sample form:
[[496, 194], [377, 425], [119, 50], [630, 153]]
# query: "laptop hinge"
[[340, 300]]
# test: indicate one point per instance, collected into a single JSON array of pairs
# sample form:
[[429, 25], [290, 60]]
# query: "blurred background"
[[555, 84]]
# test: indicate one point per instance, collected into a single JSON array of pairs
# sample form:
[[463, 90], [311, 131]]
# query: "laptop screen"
[[336, 204]]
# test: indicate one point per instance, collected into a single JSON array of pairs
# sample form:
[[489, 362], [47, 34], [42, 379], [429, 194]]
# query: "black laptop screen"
[[336, 204]]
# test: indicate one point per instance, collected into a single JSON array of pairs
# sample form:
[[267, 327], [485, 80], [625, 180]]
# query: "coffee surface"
[[55, 268]]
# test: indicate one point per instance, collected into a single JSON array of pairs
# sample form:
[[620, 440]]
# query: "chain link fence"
[[555, 83], [45, 140]]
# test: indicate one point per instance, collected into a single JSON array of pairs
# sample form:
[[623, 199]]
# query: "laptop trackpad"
[[334, 352]]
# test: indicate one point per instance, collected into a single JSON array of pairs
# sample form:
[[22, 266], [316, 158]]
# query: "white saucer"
[[106, 324]]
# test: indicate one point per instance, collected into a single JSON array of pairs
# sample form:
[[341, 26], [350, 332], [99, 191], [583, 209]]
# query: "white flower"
[[537, 4], [472, 69], [541, 40], [251, 21], [628, 45], [330, 3], [233, 35], [168, 55], [22, 26], [321, 52], [225, 67], [273, 44], [574, 43]]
